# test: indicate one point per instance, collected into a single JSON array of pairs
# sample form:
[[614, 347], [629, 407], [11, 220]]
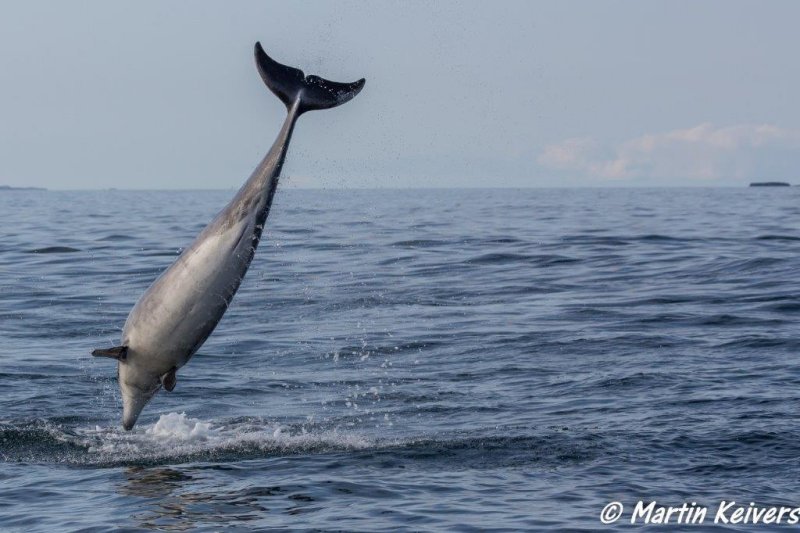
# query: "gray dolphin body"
[[176, 315]]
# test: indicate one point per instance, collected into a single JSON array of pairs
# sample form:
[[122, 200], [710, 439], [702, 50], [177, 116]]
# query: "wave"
[[506, 258], [115, 237], [790, 238], [420, 243], [175, 437], [53, 250]]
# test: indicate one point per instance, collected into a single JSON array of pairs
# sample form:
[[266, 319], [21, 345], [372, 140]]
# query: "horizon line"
[[31, 188]]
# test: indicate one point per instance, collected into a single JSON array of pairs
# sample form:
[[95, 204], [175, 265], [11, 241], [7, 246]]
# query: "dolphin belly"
[[181, 309]]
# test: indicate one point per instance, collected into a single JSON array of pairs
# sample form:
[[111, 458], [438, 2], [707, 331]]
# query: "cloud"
[[570, 153], [700, 153]]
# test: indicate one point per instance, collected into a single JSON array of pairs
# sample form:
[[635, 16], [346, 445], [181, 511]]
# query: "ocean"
[[409, 360]]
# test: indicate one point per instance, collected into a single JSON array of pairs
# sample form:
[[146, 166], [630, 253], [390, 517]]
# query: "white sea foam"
[[179, 427], [176, 435]]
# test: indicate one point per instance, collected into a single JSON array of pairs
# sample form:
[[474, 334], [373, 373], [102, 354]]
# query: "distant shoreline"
[[770, 184], [10, 188]]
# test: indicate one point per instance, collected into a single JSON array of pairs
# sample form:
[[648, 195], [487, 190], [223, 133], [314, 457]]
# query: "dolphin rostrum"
[[178, 312]]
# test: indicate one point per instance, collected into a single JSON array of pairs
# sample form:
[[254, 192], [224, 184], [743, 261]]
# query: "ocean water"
[[409, 360]]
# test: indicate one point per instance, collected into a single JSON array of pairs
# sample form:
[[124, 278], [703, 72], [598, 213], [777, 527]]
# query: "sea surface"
[[409, 360]]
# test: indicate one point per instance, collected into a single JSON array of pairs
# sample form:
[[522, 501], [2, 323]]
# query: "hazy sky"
[[164, 94]]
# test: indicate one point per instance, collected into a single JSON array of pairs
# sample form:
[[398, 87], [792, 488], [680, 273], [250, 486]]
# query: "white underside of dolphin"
[[178, 312]]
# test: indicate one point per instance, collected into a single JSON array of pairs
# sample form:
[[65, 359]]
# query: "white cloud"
[[571, 153], [703, 152]]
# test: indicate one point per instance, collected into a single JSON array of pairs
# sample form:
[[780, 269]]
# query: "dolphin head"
[[138, 388]]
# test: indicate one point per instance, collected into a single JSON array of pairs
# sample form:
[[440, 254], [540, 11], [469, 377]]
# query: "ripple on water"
[[407, 360]]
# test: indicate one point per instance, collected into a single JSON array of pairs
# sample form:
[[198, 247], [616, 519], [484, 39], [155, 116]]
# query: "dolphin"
[[178, 312]]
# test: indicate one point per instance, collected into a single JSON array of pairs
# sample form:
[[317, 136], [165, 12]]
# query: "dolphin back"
[[290, 85]]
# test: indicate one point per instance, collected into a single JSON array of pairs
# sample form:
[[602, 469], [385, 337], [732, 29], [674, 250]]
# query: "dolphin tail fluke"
[[290, 85]]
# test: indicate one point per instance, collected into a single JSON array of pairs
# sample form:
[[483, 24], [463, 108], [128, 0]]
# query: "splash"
[[174, 438], [174, 426]]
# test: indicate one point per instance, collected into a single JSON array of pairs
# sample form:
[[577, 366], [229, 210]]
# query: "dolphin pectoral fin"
[[169, 380], [120, 353]]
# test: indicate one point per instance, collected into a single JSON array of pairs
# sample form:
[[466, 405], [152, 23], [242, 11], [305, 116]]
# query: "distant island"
[[770, 184], [10, 188]]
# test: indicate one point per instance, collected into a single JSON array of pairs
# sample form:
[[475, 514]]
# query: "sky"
[[165, 95]]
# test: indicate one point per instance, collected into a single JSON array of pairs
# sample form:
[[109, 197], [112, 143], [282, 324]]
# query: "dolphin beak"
[[129, 418], [132, 405]]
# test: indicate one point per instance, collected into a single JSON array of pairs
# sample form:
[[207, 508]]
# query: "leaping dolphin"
[[178, 312]]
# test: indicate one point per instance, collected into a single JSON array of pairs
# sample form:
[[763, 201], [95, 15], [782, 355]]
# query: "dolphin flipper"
[[169, 380], [290, 84], [120, 353]]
